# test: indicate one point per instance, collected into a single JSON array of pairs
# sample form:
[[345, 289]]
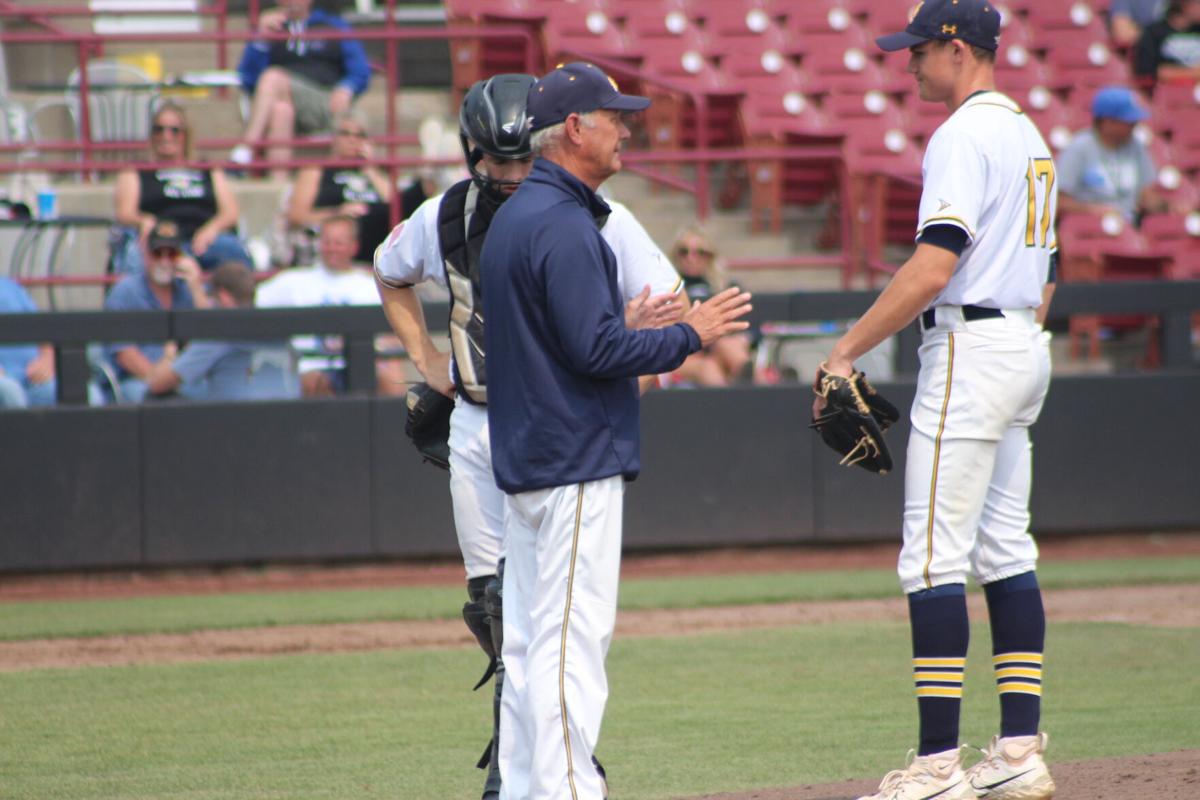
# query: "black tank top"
[[338, 186], [181, 194]]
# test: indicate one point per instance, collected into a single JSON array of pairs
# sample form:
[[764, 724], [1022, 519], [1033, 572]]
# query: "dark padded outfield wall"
[[179, 484]]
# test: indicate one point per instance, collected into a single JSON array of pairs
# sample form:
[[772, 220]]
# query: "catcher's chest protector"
[[463, 220]]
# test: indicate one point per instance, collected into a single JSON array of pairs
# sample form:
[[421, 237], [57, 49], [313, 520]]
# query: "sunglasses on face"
[[683, 251], [159, 130], [353, 134], [165, 253]]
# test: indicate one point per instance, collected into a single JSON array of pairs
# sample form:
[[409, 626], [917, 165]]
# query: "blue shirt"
[[356, 68], [14, 358], [236, 371], [562, 367], [132, 293]]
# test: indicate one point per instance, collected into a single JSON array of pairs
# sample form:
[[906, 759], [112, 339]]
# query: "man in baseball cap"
[[1105, 168], [577, 88], [976, 22]]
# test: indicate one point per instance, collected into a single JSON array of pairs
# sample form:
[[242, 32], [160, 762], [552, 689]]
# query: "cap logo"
[[508, 127], [950, 29]]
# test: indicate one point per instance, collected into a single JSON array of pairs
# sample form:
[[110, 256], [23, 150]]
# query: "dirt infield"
[[1177, 606], [1159, 776]]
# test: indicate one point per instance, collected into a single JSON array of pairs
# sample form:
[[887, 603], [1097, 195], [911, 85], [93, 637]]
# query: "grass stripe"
[[177, 614]]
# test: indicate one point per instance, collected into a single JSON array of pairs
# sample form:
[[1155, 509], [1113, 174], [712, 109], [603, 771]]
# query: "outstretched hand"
[[644, 311], [719, 315]]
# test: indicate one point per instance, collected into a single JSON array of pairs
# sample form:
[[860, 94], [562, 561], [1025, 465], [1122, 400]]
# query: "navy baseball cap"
[[976, 22], [576, 88], [1119, 103]]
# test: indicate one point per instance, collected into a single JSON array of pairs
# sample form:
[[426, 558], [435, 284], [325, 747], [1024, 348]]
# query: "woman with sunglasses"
[[360, 191], [725, 361], [197, 199]]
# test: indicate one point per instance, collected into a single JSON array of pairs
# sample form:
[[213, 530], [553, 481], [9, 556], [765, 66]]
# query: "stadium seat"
[[845, 69], [1065, 19], [647, 20], [1106, 247], [814, 16], [1180, 235], [1057, 121], [580, 34]]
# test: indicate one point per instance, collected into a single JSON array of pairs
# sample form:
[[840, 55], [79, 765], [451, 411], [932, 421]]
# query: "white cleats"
[[938, 776], [1012, 769]]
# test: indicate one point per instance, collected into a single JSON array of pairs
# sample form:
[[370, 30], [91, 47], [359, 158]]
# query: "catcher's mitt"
[[428, 423], [854, 420]]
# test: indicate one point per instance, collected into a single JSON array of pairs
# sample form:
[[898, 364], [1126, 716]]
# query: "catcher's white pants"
[[967, 475], [560, 605], [478, 502]]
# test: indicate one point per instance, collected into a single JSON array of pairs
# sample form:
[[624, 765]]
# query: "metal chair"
[[121, 99]]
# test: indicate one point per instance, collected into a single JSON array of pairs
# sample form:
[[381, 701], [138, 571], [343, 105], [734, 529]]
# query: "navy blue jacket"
[[562, 367]]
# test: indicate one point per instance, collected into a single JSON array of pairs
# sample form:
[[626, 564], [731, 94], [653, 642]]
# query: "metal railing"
[[90, 44]]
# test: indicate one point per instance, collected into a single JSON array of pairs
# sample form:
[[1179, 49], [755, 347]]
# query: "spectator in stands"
[[300, 85], [227, 370], [1128, 18], [172, 280], [26, 370], [199, 200], [728, 360], [332, 281], [361, 191], [1105, 168], [1169, 50]]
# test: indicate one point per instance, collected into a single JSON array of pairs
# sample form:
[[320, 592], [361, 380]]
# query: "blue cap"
[[1117, 102], [976, 22], [576, 88]]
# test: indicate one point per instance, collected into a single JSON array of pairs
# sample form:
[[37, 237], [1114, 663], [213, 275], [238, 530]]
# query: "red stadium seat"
[[648, 20], [1057, 122], [1106, 247], [845, 69], [1065, 19], [802, 40], [1180, 235], [815, 16]]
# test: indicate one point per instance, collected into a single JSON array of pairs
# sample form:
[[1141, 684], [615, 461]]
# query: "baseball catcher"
[[428, 423], [853, 420]]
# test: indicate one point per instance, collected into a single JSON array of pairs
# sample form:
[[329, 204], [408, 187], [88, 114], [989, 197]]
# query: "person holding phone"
[[172, 280]]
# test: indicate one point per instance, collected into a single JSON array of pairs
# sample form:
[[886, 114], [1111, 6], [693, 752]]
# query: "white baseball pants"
[[478, 502], [560, 604], [967, 475]]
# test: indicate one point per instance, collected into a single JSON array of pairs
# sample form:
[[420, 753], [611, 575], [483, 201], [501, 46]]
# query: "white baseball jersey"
[[983, 379], [988, 171], [318, 286], [411, 255]]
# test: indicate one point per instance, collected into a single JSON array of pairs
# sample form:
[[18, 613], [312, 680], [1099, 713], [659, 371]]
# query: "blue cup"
[[47, 204]]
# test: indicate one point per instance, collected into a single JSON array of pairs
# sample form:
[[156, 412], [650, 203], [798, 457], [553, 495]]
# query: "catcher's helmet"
[[493, 120]]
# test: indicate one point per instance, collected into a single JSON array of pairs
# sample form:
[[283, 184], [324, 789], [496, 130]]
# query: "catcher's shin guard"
[[477, 615], [493, 603]]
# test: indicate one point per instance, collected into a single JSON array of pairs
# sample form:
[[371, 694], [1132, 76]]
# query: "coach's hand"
[[719, 315], [644, 311]]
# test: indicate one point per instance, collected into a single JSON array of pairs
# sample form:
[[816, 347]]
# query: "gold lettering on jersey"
[[1039, 175]]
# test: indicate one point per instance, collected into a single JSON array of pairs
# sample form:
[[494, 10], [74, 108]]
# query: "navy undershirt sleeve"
[[947, 237]]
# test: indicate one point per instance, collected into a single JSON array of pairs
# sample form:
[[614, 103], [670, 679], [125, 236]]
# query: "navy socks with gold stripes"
[[1018, 640], [940, 634]]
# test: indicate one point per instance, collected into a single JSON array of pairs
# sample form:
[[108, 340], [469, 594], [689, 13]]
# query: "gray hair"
[[551, 138]]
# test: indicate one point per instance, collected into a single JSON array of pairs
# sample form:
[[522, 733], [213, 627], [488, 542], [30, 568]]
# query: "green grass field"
[[687, 715]]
